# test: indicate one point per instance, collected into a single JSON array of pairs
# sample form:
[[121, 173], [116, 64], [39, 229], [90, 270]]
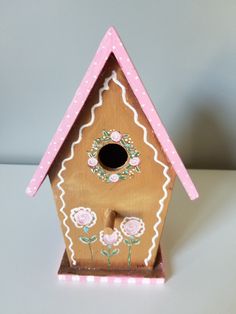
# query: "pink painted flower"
[[132, 226], [135, 161], [92, 162], [114, 178], [110, 239], [83, 217], [116, 136]]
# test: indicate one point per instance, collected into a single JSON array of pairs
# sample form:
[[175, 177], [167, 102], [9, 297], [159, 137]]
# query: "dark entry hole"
[[112, 156]]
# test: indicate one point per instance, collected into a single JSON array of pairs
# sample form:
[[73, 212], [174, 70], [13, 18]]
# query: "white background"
[[199, 243]]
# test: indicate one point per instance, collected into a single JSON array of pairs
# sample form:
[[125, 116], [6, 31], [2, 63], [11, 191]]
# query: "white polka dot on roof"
[[101, 56]]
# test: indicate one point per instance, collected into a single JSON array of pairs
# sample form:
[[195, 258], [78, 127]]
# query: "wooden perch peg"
[[109, 220]]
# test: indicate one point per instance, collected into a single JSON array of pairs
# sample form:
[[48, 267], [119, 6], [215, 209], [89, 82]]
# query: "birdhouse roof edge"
[[111, 43]]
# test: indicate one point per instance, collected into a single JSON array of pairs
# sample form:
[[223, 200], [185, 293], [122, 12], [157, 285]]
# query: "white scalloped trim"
[[90, 123], [63, 168], [161, 201]]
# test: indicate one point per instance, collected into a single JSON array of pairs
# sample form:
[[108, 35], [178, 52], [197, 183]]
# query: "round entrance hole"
[[112, 156]]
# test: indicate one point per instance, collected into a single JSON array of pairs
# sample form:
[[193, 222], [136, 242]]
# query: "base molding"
[[140, 276]]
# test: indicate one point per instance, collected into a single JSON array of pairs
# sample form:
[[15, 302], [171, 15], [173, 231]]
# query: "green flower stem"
[[129, 254], [88, 241], [109, 257], [91, 251]]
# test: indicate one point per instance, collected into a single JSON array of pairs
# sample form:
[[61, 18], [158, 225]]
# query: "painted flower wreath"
[[132, 166]]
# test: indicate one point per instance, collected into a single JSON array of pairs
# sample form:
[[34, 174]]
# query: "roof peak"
[[111, 43]]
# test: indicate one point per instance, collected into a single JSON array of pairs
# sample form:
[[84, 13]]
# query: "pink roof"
[[111, 43]]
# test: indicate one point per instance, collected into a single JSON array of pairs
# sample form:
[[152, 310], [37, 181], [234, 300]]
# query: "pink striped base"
[[142, 276], [113, 280]]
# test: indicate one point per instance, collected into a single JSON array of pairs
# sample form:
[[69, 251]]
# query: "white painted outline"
[[75, 210], [126, 219], [166, 168], [63, 168]]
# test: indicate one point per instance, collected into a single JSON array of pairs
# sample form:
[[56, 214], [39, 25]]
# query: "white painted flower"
[[116, 136], [110, 239], [92, 162], [132, 226], [114, 178], [135, 161], [83, 217]]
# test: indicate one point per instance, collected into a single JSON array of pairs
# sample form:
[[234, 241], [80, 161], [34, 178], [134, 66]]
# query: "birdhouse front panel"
[[111, 180]]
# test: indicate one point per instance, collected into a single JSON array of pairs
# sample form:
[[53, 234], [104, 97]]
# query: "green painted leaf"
[[104, 253], [121, 176], [135, 241], [84, 240], [137, 169], [115, 252], [105, 133], [127, 242], [93, 239]]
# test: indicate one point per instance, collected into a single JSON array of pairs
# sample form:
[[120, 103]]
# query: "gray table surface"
[[199, 244]]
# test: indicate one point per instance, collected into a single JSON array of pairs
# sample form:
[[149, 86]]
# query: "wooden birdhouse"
[[112, 167]]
